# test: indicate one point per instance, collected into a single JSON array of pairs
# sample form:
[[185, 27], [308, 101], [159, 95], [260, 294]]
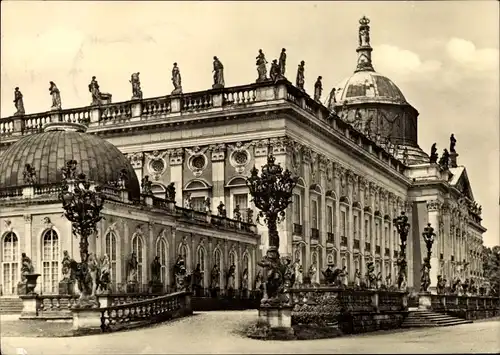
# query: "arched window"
[[184, 252], [50, 262], [158, 190], [218, 262], [10, 263], [330, 259], [110, 246], [200, 259], [138, 248], [314, 258], [162, 252]]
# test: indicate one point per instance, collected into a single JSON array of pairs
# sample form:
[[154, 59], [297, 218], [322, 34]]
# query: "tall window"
[[10, 263], [110, 241], [162, 252], [314, 212], [355, 221], [395, 239], [367, 230], [296, 206], [198, 203], [137, 247], [241, 200], [329, 219], [218, 262], [184, 252], [386, 236], [200, 259], [50, 262], [377, 235], [343, 224]]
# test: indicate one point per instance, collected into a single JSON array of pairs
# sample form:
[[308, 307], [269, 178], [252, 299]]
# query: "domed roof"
[[49, 151], [368, 86]]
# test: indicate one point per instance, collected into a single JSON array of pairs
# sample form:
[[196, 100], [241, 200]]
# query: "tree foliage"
[[491, 266]]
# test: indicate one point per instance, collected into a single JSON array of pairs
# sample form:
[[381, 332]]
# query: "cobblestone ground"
[[219, 332]]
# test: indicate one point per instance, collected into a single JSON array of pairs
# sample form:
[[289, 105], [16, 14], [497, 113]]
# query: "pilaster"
[[433, 211], [260, 157], [307, 209], [218, 156], [323, 228], [362, 239], [336, 181], [176, 158]]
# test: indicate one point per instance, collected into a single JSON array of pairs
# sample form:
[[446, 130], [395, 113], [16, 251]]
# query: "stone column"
[[323, 227], [373, 229], [337, 169], [176, 165], [279, 146], [350, 226], [306, 230], [126, 252], [433, 211], [28, 239], [362, 239], [218, 155], [151, 253], [260, 156], [382, 205]]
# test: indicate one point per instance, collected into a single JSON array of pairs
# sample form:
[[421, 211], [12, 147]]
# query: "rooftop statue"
[[261, 67], [170, 192], [282, 62], [300, 76], [56, 96], [95, 91], [318, 89], [136, 86], [453, 142], [445, 159], [18, 102], [434, 156], [176, 80], [364, 32], [274, 73], [218, 74]]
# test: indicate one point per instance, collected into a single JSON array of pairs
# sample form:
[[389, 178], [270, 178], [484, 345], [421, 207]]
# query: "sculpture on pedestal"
[[282, 62], [104, 280], [82, 207], [299, 277], [221, 210], [371, 278], [18, 102], [312, 272], [388, 280], [274, 72], [146, 185], [56, 96], [218, 74], [300, 80], [230, 280], [170, 192], [26, 267], [453, 142], [434, 155], [176, 80], [441, 284], [272, 193], [187, 201], [156, 271], [237, 213], [403, 228], [95, 91], [249, 215], [343, 277], [244, 282], [331, 274], [207, 204], [318, 89], [66, 285], [132, 265], [445, 160], [357, 278], [182, 279], [197, 280], [136, 86], [66, 266], [261, 63], [215, 280]]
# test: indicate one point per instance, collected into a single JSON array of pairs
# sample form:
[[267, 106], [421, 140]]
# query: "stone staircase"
[[427, 318], [10, 305]]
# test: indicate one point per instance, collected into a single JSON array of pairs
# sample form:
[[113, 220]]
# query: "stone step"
[[423, 318], [10, 305]]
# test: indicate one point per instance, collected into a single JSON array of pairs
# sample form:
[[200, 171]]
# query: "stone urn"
[[27, 287]]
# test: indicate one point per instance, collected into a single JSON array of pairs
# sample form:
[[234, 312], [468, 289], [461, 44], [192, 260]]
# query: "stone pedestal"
[[132, 287], [276, 316], [86, 320], [31, 304], [424, 300], [104, 300]]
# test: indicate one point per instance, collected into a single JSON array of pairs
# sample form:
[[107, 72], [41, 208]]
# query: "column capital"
[[433, 205]]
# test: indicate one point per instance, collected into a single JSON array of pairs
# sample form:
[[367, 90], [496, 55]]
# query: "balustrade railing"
[[145, 312], [157, 107], [240, 95], [197, 101], [111, 113], [77, 115], [447, 302]]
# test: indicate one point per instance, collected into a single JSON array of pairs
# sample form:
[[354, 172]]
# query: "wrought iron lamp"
[[82, 207], [403, 228], [272, 193], [429, 237]]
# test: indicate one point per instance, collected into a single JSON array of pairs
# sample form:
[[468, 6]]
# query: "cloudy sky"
[[443, 56]]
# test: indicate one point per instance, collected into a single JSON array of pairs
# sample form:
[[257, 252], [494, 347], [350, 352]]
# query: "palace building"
[[357, 158]]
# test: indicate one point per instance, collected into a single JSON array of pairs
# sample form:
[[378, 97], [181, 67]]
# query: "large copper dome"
[[49, 151]]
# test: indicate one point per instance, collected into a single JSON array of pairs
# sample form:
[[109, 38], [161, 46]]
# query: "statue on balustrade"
[[170, 192], [343, 277], [237, 213], [434, 155], [207, 204], [379, 280], [136, 86], [274, 72], [453, 143], [156, 271], [312, 272], [371, 278], [425, 279], [56, 96], [66, 266], [18, 102], [282, 64], [318, 89], [249, 215], [445, 160], [244, 280], [187, 201], [331, 274], [230, 280], [197, 281], [388, 280], [146, 185], [261, 67], [132, 266], [215, 280], [441, 284], [26, 267], [66, 285], [94, 272], [299, 277], [357, 279], [472, 287], [218, 74], [182, 279], [176, 80], [95, 91], [221, 209], [104, 280], [300, 80], [455, 286], [465, 286]]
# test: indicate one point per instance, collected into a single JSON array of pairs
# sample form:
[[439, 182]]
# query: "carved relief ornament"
[[197, 161], [157, 164], [261, 147], [8, 225], [176, 156], [433, 205], [240, 156], [136, 159], [280, 144], [218, 151]]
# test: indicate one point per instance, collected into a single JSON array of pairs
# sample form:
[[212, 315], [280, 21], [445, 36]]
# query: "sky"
[[443, 55]]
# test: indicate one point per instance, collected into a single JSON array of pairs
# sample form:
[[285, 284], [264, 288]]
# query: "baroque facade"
[[356, 171]]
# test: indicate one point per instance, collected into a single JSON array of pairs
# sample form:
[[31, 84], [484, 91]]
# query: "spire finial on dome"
[[364, 50]]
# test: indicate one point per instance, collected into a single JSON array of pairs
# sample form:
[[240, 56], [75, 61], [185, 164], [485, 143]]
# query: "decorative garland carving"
[[218, 152], [157, 164], [197, 161], [176, 156], [136, 159], [433, 205], [261, 147], [240, 157]]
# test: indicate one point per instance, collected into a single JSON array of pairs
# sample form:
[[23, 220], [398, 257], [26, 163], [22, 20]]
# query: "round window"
[[198, 162], [157, 165], [240, 157]]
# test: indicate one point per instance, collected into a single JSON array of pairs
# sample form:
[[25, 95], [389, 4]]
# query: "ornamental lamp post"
[[403, 228], [82, 207], [429, 237], [272, 193]]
